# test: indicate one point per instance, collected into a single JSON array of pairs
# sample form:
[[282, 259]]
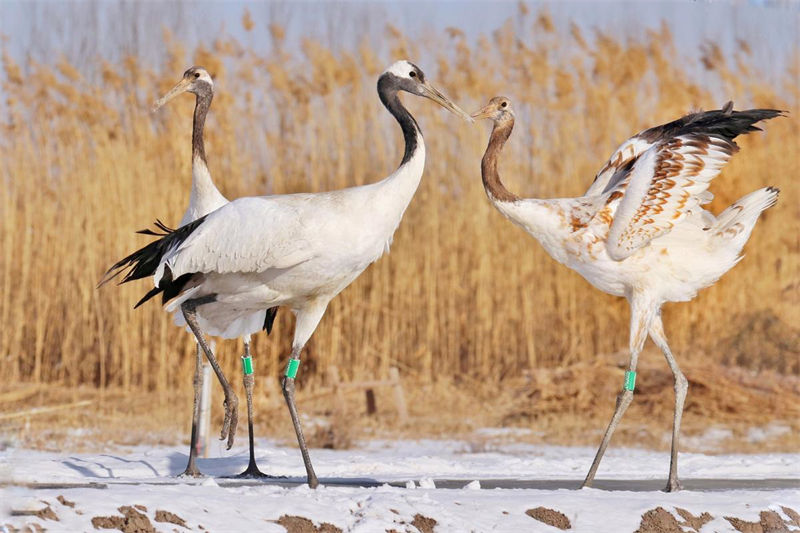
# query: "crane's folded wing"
[[246, 235]]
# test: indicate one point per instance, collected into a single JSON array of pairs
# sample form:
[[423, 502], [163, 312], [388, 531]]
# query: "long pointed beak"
[[429, 91], [485, 112], [181, 87]]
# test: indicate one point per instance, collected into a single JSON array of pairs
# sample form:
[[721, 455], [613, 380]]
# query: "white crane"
[[205, 198], [296, 250], [639, 231]]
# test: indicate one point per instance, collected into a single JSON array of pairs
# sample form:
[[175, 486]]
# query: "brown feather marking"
[[575, 222]]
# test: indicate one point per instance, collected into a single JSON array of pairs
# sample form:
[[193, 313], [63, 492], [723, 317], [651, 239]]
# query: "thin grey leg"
[[681, 387], [640, 318], [231, 402], [288, 394], [252, 470], [191, 467]]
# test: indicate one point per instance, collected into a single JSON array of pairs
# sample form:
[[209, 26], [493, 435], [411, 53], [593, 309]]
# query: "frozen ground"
[[144, 476]]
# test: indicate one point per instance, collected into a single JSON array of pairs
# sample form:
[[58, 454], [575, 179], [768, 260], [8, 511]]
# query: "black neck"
[[387, 90], [202, 104]]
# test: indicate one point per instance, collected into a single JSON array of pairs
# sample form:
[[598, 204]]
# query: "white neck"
[[547, 221], [394, 193], [205, 197]]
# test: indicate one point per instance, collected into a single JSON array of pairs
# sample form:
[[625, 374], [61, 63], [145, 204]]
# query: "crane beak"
[[181, 87], [430, 92], [486, 111]]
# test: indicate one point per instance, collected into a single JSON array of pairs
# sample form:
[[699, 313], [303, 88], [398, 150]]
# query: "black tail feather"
[[164, 230], [272, 312], [144, 262]]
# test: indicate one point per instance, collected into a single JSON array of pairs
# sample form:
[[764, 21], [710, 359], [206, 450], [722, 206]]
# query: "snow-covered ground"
[[413, 465]]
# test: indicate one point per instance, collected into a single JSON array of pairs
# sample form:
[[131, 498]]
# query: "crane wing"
[[663, 185], [618, 165], [246, 235]]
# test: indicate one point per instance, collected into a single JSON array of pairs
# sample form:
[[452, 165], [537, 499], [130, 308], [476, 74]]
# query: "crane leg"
[[231, 403], [252, 470], [681, 386], [191, 467], [288, 394], [641, 316]]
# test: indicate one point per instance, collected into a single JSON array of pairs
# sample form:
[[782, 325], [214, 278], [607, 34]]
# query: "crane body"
[[640, 231]]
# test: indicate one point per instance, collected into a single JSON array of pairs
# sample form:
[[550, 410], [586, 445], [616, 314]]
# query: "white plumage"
[[296, 250], [203, 199], [303, 250], [640, 231]]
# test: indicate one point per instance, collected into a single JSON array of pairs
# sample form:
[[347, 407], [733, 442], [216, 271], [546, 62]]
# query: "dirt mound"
[[659, 520], [694, 522], [65, 502], [172, 518], [550, 517], [424, 523], [769, 522], [300, 524], [132, 521]]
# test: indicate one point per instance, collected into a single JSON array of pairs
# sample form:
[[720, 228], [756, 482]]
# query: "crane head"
[[498, 109], [195, 80], [406, 76]]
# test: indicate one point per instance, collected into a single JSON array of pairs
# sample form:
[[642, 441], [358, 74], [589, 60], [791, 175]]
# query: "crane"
[[294, 250], [640, 231], [205, 198]]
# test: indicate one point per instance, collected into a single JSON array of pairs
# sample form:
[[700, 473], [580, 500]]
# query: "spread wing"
[[657, 176], [619, 165], [663, 185]]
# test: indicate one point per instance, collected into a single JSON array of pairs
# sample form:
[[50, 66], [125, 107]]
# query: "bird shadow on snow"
[[227, 468], [172, 465], [96, 469]]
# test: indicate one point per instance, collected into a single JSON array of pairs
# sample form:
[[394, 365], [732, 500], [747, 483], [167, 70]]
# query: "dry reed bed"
[[463, 293]]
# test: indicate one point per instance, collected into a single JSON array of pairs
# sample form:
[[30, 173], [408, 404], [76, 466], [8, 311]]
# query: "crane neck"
[[204, 197], [412, 135], [201, 106], [491, 177]]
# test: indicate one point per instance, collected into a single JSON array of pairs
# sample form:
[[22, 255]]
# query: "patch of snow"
[[760, 434], [427, 483], [218, 506]]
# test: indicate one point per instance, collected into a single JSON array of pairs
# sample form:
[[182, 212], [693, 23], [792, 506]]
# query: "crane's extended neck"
[[412, 135], [491, 178], [205, 197], [202, 104]]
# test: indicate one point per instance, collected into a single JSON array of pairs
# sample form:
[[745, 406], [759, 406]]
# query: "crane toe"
[[231, 420]]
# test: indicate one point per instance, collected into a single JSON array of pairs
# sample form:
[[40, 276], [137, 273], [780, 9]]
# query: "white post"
[[203, 433]]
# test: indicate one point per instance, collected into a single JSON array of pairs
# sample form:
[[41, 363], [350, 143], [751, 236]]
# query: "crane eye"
[[196, 75], [412, 74], [504, 104]]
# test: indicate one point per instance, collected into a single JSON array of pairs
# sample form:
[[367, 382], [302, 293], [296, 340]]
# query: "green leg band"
[[291, 369], [630, 380], [247, 365]]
